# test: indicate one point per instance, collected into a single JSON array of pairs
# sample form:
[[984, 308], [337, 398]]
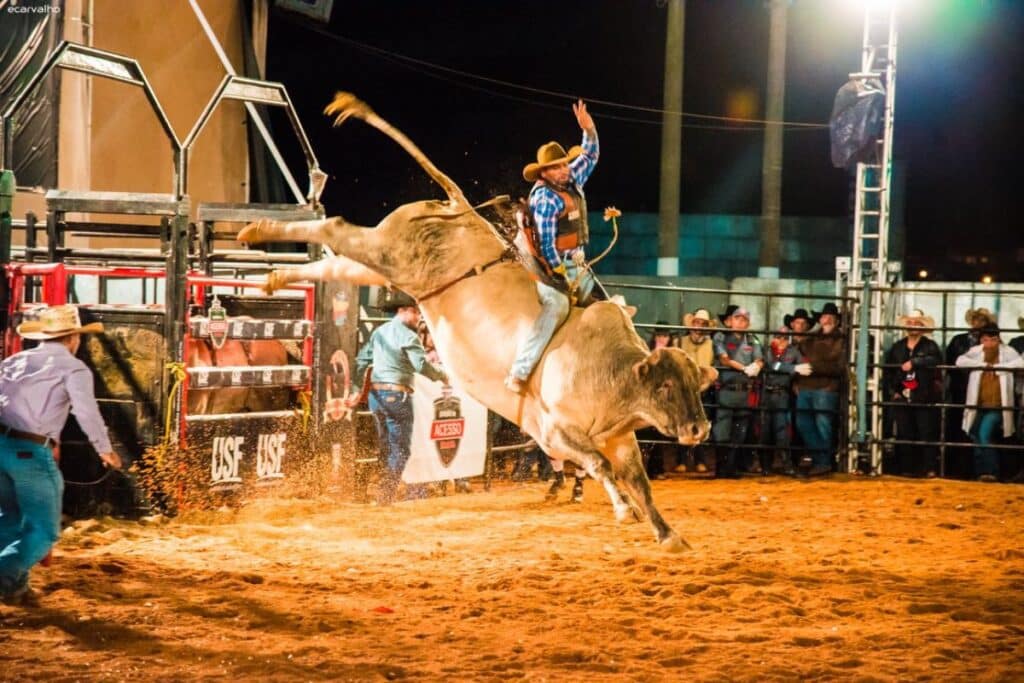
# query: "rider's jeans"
[[554, 310]]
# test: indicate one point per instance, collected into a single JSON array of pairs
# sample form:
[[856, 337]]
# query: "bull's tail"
[[346, 104]]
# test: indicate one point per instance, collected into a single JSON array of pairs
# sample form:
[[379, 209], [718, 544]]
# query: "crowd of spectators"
[[775, 408]]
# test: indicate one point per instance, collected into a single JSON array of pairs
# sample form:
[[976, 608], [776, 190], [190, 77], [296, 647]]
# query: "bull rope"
[[177, 371], [307, 408], [610, 213]]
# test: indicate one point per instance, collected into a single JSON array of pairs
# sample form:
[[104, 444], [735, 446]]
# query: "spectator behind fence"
[[396, 353], [740, 358], [817, 390], [657, 455], [781, 360], [800, 323], [988, 393], [911, 380], [1017, 343], [698, 344], [959, 344]]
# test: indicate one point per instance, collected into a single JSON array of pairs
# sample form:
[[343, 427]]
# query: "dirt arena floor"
[[842, 579]]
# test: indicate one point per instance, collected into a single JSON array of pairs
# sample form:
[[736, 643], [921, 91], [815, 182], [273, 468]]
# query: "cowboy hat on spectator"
[[917, 318], [800, 313], [984, 313], [830, 309], [55, 322], [733, 310], [699, 314]]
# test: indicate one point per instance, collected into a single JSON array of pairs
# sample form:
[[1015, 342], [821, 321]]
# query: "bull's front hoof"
[[674, 544]]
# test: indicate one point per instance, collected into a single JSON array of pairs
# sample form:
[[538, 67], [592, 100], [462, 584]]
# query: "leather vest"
[[572, 230]]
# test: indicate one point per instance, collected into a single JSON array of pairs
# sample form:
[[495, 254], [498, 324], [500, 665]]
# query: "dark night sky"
[[957, 107]]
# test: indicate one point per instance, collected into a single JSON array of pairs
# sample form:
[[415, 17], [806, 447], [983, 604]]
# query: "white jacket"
[[975, 358]]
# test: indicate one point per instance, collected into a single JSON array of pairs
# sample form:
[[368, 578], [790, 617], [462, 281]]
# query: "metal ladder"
[[871, 204]]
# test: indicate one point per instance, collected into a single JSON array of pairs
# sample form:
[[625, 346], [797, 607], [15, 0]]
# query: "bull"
[[597, 381]]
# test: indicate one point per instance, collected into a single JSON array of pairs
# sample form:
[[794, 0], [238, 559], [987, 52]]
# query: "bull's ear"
[[642, 368], [707, 376]]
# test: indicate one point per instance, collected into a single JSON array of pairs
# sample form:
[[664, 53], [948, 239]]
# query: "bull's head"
[[670, 386]]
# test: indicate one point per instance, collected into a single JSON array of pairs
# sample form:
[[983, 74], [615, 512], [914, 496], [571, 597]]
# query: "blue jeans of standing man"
[[392, 414], [815, 419], [984, 431], [31, 489], [554, 308]]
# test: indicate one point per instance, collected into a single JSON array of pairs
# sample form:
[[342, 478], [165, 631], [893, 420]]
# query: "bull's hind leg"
[[328, 270], [575, 445], [624, 454]]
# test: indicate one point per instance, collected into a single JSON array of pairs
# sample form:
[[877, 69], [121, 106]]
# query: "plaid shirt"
[[546, 205]]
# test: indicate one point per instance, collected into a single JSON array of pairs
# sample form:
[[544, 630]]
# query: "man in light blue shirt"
[[559, 211], [396, 353], [38, 389]]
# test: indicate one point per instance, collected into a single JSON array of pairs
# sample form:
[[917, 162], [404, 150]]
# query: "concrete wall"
[[723, 245]]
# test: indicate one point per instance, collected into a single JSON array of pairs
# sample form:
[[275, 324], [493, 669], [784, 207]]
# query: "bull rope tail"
[[611, 213], [177, 371]]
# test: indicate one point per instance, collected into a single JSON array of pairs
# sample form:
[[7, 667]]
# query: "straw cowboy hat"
[[917, 318], [699, 314], [550, 154], [55, 322], [973, 313]]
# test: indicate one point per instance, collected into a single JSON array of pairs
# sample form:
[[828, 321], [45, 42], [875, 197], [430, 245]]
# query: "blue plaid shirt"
[[546, 205]]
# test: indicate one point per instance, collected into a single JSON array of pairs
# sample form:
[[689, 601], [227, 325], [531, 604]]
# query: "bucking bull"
[[596, 383]]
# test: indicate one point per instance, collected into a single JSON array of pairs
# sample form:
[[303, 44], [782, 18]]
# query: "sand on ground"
[[843, 579]]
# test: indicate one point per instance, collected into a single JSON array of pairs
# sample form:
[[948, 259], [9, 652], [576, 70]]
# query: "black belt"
[[27, 436]]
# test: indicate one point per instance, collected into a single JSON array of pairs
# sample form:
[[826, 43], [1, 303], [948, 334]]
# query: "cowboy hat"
[[550, 154], [798, 314], [661, 327], [916, 316], [54, 322], [973, 313], [732, 310], [394, 299], [699, 314], [830, 309]]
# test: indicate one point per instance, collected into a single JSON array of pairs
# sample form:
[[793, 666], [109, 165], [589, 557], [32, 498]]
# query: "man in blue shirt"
[[559, 211], [396, 354], [38, 388]]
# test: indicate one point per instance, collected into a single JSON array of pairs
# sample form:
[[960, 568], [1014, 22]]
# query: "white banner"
[[449, 434]]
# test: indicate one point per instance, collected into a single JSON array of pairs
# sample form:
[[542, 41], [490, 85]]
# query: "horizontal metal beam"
[[138, 203], [246, 213]]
